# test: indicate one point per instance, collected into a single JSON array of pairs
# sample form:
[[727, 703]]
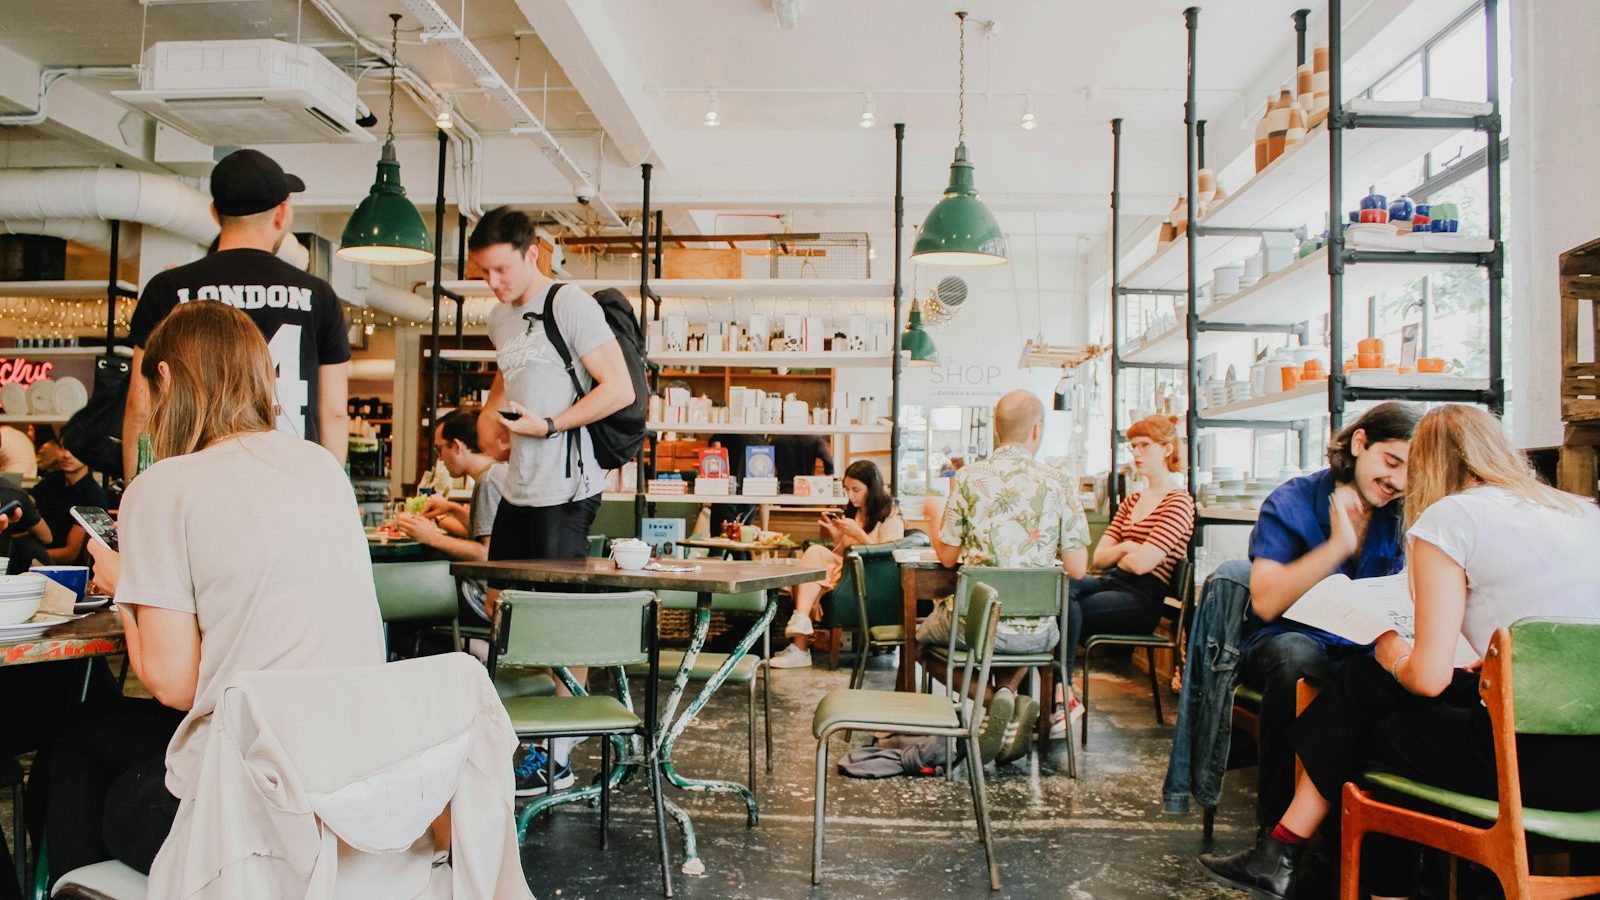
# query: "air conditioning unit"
[[248, 92]]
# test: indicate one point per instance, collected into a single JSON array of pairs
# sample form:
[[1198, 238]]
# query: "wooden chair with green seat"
[[1537, 678], [1025, 593], [539, 629], [849, 709], [745, 672], [1181, 588], [873, 612]]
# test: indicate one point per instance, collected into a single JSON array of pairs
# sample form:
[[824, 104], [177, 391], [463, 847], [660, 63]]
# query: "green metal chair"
[[851, 709], [417, 592], [537, 629], [597, 545], [1181, 587], [1537, 678], [745, 672], [873, 613], [1025, 593]]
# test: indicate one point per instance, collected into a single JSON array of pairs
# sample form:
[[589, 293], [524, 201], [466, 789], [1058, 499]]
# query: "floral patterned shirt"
[[1012, 510]]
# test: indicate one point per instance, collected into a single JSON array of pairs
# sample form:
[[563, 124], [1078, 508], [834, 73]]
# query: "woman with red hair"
[[1135, 557]]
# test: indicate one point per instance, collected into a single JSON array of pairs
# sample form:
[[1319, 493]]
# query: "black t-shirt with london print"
[[297, 312]]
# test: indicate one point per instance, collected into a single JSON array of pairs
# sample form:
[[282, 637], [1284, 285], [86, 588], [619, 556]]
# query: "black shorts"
[[543, 532]]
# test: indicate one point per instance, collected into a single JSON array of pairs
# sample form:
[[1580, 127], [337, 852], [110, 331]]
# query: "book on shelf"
[[759, 487], [713, 487], [1360, 610], [713, 463], [667, 486], [760, 462]]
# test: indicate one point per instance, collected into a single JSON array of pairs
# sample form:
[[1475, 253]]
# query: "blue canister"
[[1355, 216], [1400, 210], [1375, 201]]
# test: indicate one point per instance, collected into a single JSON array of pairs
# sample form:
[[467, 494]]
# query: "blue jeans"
[[1201, 736], [1117, 603]]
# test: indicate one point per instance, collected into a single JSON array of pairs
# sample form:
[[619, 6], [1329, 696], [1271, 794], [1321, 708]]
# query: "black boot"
[[1267, 869]]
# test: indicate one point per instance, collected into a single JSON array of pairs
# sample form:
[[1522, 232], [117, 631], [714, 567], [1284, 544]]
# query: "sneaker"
[[1001, 712], [799, 623], [530, 771], [1018, 741], [1075, 709], [790, 657], [1058, 723]]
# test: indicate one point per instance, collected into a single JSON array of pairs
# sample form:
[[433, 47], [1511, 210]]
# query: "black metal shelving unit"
[[1339, 256]]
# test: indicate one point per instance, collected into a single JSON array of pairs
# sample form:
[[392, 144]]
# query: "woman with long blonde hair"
[[1489, 544], [240, 550]]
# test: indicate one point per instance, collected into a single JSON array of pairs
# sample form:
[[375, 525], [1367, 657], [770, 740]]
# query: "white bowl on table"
[[20, 596]]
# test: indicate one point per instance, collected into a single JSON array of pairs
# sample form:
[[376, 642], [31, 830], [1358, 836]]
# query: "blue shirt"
[[1294, 521]]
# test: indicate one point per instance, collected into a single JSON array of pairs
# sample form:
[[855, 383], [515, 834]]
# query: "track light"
[[869, 113], [443, 120], [1029, 121], [713, 112]]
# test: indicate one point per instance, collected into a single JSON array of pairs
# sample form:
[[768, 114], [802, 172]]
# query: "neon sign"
[[20, 371]]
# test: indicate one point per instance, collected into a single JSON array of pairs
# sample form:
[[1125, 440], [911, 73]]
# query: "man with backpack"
[[563, 377]]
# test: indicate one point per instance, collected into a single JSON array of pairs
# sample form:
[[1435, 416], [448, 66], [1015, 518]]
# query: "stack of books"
[[760, 487]]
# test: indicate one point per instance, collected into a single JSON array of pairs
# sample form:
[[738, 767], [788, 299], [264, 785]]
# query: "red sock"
[[1283, 835]]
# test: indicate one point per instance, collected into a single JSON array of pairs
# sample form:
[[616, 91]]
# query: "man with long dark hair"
[[1345, 518]]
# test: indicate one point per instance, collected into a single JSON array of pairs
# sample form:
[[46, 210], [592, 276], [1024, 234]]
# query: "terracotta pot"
[[1370, 345]]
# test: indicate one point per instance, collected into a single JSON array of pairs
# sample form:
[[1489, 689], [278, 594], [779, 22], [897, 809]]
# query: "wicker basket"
[[676, 626]]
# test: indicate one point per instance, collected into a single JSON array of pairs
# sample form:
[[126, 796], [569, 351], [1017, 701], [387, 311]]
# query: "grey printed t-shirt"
[[540, 473]]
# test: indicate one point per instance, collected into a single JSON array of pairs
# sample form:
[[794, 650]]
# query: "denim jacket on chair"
[[1205, 707]]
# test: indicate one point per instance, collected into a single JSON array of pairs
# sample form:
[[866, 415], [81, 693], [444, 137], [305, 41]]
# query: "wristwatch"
[[550, 428]]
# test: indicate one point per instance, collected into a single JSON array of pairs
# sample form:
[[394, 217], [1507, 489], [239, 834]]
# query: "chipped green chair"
[[1180, 588], [867, 600], [558, 630], [850, 709], [1538, 678], [423, 592]]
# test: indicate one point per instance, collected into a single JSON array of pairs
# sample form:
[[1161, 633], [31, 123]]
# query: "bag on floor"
[[923, 758]]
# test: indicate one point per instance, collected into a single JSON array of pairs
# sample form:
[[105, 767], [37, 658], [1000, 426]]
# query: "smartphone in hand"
[[98, 523], [9, 508], [510, 415]]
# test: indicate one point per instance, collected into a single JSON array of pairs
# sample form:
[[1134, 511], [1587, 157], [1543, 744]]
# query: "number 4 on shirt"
[[293, 392]]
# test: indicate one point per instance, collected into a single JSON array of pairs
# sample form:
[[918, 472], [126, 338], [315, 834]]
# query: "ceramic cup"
[[73, 578], [1371, 215], [630, 553], [1431, 365]]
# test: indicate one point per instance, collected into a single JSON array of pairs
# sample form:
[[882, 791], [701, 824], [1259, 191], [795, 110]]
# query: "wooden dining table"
[[97, 634], [922, 577], [706, 579]]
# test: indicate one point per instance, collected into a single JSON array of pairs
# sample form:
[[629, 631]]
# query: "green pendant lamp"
[[916, 342], [386, 229], [960, 231]]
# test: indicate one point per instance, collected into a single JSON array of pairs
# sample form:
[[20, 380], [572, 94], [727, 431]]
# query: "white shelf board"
[[780, 500], [731, 428], [94, 289], [32, 419], [1172, 346], [778, 359], [63, 352], [1309, 401], [1293, 191], [1299, 291], [714, 288], [1245, 516]]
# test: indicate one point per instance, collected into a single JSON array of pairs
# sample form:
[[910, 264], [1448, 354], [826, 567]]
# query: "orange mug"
[[1291, 377], [1370, 345], [1313, 369], [1370, 360], [1431, 365]]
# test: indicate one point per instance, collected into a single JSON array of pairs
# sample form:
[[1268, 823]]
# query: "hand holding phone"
[[9, 508], [98, 523], [510, 415]]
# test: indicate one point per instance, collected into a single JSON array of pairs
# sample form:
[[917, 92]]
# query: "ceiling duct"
[[248, 92], [444, 32]]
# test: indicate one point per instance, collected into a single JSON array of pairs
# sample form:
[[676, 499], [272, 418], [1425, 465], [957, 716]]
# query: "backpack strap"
[[553, 333]]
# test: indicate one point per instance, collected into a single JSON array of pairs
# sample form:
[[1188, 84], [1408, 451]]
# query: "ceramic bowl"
[[16, 610]]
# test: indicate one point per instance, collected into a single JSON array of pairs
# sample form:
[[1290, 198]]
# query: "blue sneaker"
[[531, 772]]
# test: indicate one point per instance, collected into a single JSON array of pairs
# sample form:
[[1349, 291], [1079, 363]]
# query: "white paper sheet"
[[1363, 609]]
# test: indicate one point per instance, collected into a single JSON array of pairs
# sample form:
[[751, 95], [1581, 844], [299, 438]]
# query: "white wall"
[[1555, 178]]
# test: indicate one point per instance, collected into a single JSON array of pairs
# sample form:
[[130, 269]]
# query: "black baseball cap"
[[248, 181]]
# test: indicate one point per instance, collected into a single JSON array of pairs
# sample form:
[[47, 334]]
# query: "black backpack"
[[94, 433], [618, 437]]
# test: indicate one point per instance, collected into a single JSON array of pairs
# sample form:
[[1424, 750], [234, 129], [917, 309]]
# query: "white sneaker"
[[791, 657], [799, 623]]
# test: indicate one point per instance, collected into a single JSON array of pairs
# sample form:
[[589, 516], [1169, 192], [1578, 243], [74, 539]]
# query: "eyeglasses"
[[1139, 446]]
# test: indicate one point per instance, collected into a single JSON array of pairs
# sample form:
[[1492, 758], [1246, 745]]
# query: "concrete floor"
[[1101, 836]]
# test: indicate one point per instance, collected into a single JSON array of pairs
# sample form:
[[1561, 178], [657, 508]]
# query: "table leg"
[[676, 727], [906, 675]]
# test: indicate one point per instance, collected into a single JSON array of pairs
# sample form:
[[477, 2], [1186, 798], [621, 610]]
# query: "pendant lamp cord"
[[394, 67], [961, 93]]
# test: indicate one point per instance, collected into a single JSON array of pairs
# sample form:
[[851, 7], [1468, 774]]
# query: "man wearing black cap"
[[298, 313]]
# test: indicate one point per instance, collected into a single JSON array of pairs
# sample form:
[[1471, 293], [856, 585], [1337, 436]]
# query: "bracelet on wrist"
[[1394, 670]]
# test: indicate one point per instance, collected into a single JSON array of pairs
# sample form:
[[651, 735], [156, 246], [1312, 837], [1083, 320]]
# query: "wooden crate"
[[1580, 371]]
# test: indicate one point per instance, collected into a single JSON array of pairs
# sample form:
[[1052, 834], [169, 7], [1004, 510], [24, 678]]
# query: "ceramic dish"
[[14, 399], [33, 628], [71, 396], [42, 397], [91, 603]]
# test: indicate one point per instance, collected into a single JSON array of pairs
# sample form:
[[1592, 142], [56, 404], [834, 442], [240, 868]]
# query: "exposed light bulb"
[[1029, 120], [370, 329], [869, 113], [443, 121], [713, 112]]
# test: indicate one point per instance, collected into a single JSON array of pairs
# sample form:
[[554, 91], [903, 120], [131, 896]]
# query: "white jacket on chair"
[[322, 784]]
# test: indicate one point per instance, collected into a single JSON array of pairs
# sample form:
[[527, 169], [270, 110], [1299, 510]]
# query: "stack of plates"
[[20, 596]]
